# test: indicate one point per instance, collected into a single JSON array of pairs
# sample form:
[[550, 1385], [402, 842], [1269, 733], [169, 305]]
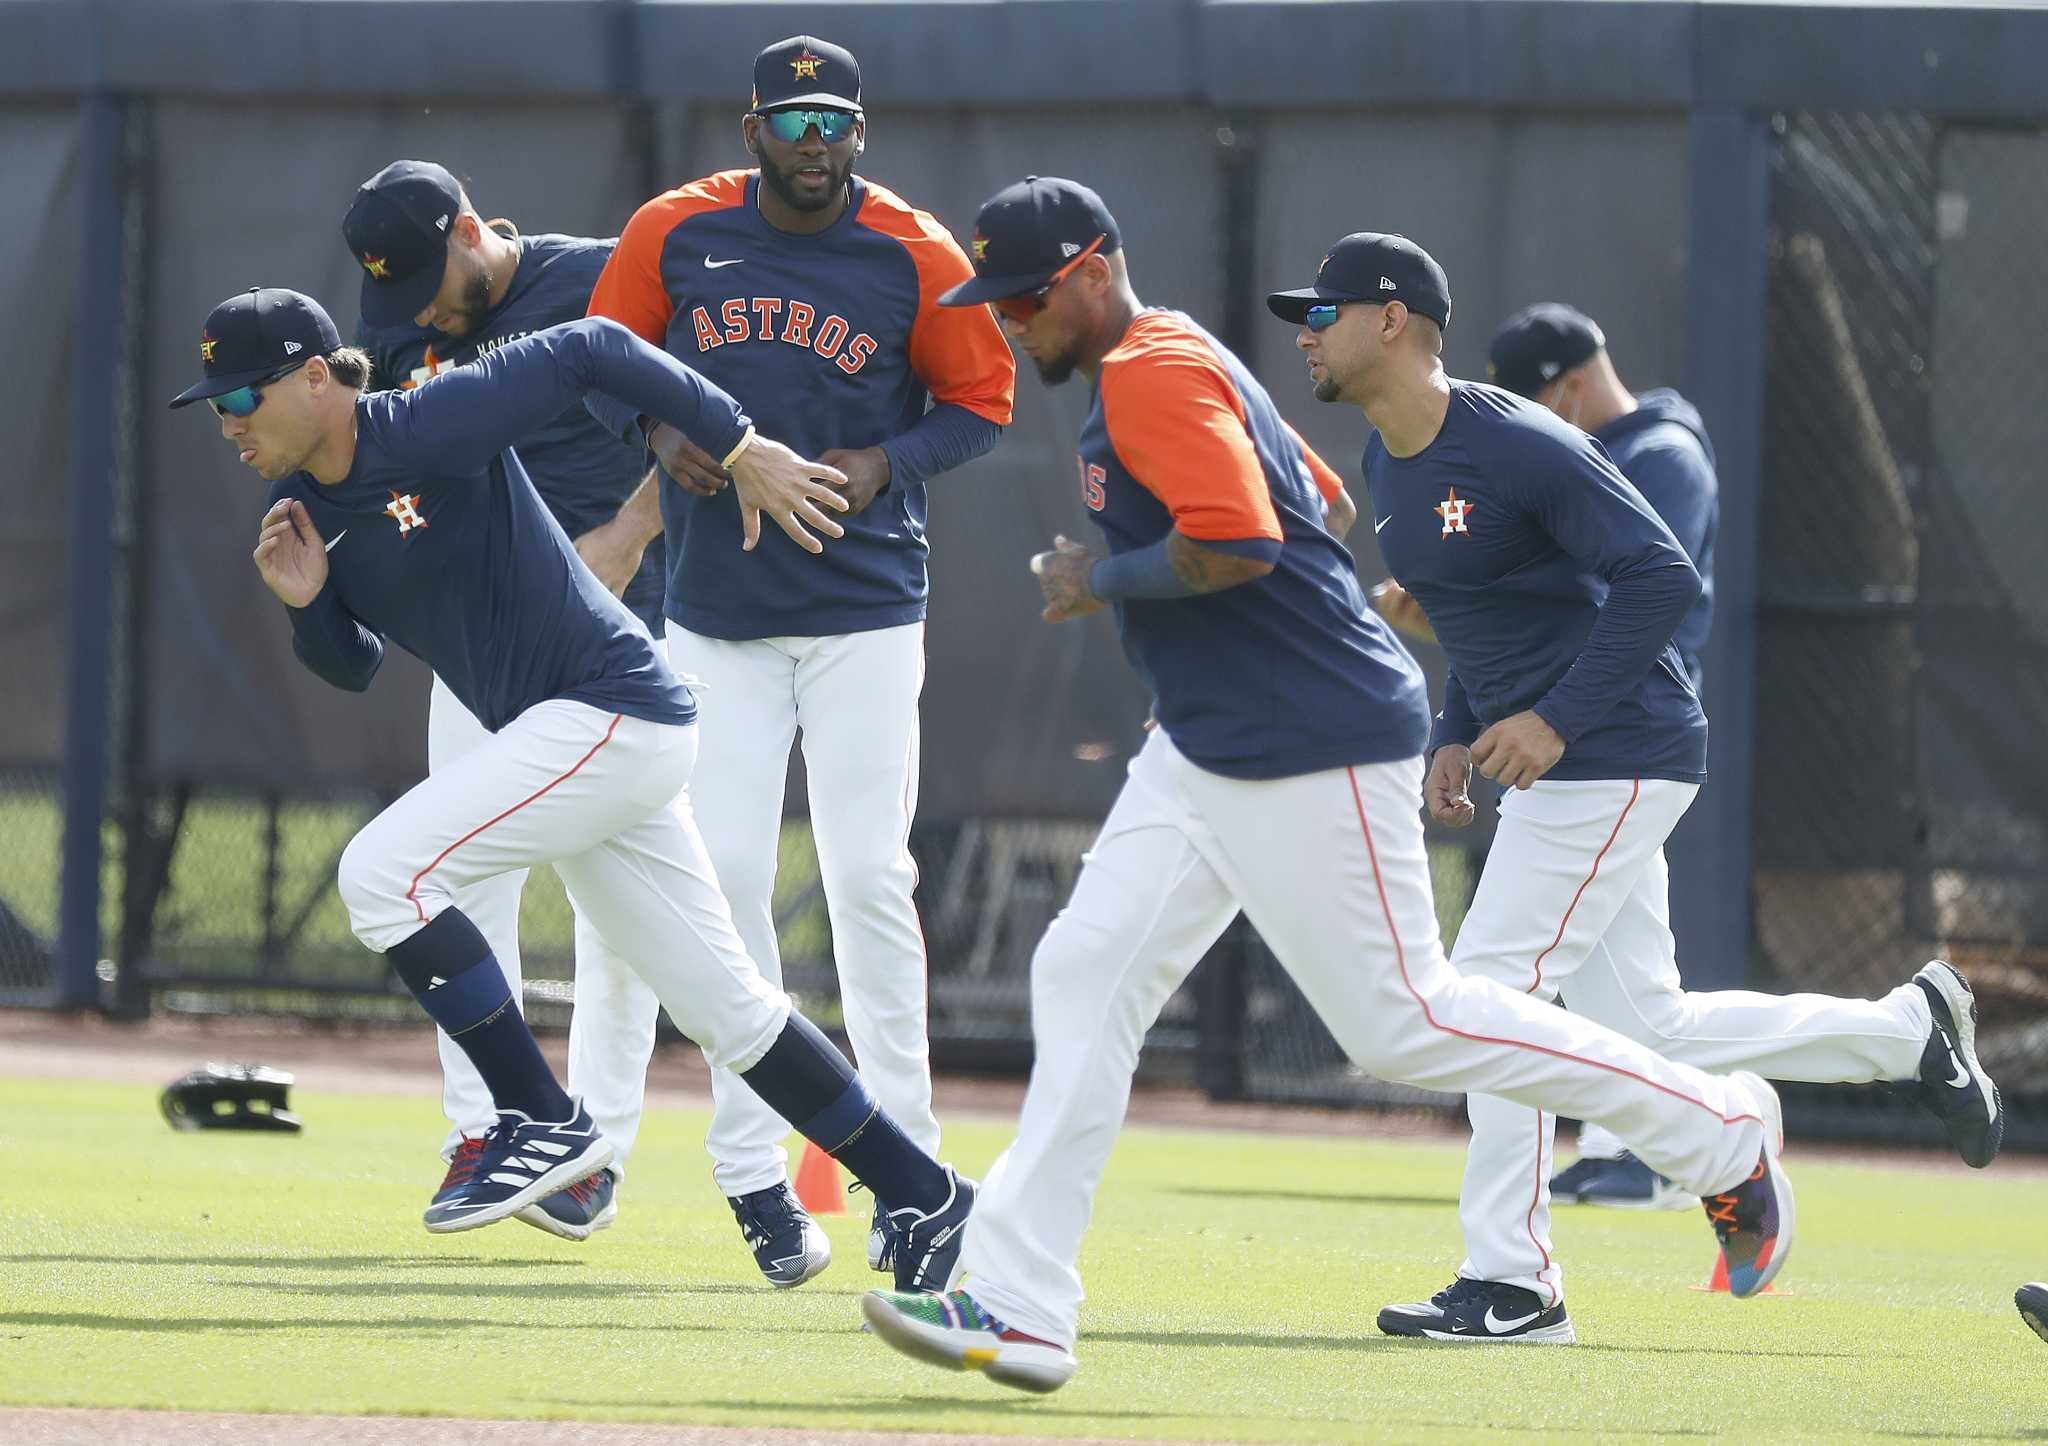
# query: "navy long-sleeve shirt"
[[1662, 448], [437, 540], [582, 472], [1551, 584]]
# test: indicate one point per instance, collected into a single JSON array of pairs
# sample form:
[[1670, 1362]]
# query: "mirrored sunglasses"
[[244, 400], [790, 125], [1321, 316]]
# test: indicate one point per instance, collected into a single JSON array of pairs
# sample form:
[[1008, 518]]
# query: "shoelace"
[[462, 1164], [582, 1191], [758, 1215]]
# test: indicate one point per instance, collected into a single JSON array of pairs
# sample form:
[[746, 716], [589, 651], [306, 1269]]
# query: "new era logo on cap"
[[1374, 267], [291, 348], [1070, 248]]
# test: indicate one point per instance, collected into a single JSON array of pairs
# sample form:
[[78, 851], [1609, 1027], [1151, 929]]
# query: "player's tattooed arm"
[[1208, 569]]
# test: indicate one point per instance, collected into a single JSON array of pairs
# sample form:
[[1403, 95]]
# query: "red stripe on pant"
[[1635, 789], [412, 892], [1401, 960]]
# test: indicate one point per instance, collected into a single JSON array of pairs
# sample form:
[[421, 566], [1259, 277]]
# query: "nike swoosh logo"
[[1381, 523], [1499, 1327], [1961, 1079], [336, 538], [710, 265]]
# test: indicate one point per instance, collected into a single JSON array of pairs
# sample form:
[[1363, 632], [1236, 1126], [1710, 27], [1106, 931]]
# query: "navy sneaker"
[[1753, 1220], [2033, 1303], [881, 1242], [522, 1160], [928, 1245], [787, 1244], [1482, 1311], [1952, 1083], [578, 1212], [1622, 1183], [881, 1237]]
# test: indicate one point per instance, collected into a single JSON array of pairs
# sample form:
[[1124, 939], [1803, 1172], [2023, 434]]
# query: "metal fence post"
[[95, 416], [1727, 295]]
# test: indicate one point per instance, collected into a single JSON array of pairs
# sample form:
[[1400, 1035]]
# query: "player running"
[[442, 287], [1555, 590], [1281, 780], [404, 514], [811, 296]]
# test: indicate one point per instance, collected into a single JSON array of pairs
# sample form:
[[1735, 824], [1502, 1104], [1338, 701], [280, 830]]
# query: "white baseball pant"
[[601, 797], [1331, 870], [611, 1029], [855, 698], [1573, 901]]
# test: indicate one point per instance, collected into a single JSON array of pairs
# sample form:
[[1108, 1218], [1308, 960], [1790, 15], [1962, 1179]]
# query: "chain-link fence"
[[31, 839], [1903, 621]]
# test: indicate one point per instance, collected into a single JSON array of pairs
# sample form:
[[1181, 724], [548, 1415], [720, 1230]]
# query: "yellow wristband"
[[734, 455]]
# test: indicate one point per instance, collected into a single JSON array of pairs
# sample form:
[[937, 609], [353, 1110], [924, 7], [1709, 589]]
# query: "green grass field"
[[1234, 1279]]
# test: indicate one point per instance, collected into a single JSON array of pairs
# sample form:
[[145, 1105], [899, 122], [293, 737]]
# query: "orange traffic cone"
[[818, 1188], [1717, 1283]]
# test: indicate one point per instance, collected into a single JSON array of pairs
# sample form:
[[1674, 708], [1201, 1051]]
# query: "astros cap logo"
[[206, 346], [376, 266], [806, 64], [980, 247]]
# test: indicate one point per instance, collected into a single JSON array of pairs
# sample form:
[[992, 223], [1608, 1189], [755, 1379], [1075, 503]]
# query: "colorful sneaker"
[[928, 1245], [461, 1165], [1952, 1083], [788, 1246], [1623, 1183], [2033, 1303], [523, 1160], [578, 1212], [1753, 1220], [1482, 1311], [951, 1330]]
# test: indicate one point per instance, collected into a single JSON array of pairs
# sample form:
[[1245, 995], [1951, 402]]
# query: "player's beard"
[[476, 301], [1329, 389], [1057, 371], [778, 181]]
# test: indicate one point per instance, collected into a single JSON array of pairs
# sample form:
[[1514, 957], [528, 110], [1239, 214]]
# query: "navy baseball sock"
[[810, 1083], [454, 975]]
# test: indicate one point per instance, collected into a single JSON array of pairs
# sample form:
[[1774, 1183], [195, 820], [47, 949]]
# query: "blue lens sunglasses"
[[790, 125], [243, 401]]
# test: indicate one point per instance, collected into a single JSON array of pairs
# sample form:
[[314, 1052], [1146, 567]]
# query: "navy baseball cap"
[[1370, 266], [398, 226], [1537, 346], [248, 337], [1025, 233], [804, 70]]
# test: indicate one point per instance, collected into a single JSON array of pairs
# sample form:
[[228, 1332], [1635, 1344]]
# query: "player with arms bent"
[[1281, 780], [811, 296], [1555, 591], [404, 514]]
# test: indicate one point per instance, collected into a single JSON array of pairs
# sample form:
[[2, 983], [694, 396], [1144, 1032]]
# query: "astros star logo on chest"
[[404, 509], [1454, 509]]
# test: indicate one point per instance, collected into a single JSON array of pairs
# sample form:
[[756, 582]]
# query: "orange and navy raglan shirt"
[[829, 340], [1290, 673]]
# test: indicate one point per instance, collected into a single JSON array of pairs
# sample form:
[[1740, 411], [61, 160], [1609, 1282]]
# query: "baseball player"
[[1557, 357], [810, 295], [404, 514], [441, 287], [1555, 590], [1280, 779]]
